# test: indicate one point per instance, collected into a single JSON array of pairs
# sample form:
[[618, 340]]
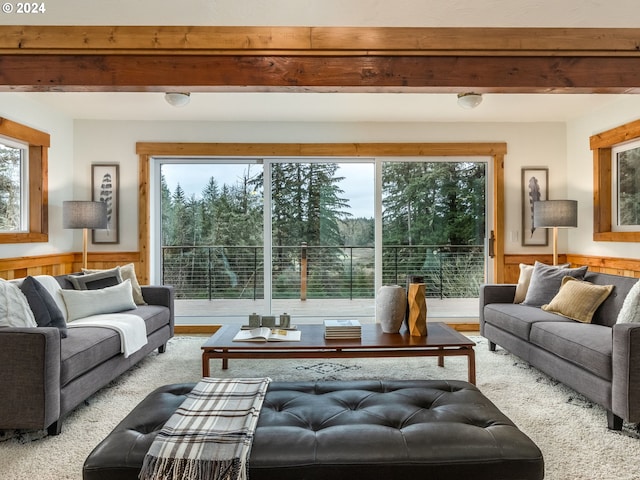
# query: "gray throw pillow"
[[96, 281], [44, 307], [546, 281]]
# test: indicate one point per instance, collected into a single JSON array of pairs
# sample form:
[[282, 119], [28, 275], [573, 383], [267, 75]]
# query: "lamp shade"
[[555, 213], [84, 214]]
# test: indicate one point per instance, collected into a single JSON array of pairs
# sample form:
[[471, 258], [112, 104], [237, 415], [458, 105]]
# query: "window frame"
[[602, 146], [38, 143]]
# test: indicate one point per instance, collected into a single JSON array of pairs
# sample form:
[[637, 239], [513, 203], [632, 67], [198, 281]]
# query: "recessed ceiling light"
[[177, 99]]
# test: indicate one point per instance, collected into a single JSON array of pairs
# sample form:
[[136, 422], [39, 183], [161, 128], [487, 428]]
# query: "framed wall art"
[[105, 186], [534, 188]]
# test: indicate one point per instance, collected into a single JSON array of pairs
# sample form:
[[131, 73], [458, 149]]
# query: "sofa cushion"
[[84, 303], [14, 308], [44, 308], [587, 345], [525, 279], [578, 300], [518, 319], [127, 271], [630, 311], [154, 316], [97, 280], [84, 349], [546, 281]]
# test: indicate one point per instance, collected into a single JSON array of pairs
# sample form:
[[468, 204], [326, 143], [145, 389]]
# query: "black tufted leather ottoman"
[[349, 430]]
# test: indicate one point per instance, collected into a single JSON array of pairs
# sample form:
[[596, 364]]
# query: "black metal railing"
[[222, 271]]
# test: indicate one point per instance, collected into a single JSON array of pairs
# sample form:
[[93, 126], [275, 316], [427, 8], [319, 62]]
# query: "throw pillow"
[[525, 279], [84, 303], [95, 281], [546, 281], [127, 271], [43, 306], [630, 311], [578, 300], [14, 308]]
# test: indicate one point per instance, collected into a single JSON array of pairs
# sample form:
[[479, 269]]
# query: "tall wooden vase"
[[417, 310]]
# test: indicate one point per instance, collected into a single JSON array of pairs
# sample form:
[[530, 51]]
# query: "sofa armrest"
[[625, 395], [494, 293], [30, 377], [161, 295]]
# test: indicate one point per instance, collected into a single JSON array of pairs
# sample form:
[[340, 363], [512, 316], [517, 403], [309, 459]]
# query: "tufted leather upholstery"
[[350, 430]]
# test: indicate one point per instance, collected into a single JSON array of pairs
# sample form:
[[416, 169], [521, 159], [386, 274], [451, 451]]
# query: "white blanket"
[[132, 329]]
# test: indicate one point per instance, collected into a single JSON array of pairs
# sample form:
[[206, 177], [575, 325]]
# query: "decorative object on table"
[[105, 186], [391, 306], [86, 215], [417, 310], [342, 329], [555, 214], [285, 320], [534, 189], [411, 279], [268, 321], [254, 320]]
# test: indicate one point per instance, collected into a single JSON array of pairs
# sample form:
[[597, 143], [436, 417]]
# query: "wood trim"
[[602, 144], [146, 150], [371, 59], [38, 145], [301, 40]]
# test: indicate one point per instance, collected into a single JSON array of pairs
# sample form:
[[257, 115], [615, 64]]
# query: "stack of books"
[[342, 329]]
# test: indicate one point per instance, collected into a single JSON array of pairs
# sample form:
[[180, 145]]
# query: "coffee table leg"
[[441, 359], [225, 363], [472, 366], [205, 364]]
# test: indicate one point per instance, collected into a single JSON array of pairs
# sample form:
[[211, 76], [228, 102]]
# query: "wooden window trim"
[[602, 145], [38, 144]]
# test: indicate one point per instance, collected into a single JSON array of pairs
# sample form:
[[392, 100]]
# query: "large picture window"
[[14, 204], [23, 183], [626, 187]]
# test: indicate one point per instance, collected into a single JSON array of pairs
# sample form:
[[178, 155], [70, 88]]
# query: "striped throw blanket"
[[209, 437]]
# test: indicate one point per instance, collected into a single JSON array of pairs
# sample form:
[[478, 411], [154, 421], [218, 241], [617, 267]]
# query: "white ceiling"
[[324, 107]]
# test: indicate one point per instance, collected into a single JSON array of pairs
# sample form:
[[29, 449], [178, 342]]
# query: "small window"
[[14, 181], [625, 198]]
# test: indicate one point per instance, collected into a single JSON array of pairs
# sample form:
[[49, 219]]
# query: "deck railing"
[[222, 271]]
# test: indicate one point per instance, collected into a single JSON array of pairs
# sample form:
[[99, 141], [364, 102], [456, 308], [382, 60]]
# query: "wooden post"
[[303, 271]]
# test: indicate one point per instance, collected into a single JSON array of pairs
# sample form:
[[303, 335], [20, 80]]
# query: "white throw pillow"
[[630, 311], [84, 303], [14, 307]]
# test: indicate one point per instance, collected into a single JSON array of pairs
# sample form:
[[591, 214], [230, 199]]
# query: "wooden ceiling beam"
[[319, 73], [320, 59]]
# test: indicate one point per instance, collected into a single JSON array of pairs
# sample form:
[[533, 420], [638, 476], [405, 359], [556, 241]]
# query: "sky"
[[358, 185]]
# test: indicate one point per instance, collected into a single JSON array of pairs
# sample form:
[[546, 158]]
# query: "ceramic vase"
[[417, 310], [391, 303]]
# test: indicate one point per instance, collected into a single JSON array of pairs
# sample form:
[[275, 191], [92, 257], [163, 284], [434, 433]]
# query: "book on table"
[[266, 334], [342, 328]]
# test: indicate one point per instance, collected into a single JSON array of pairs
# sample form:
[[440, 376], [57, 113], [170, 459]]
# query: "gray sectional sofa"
[[47, 371], [600, 359]]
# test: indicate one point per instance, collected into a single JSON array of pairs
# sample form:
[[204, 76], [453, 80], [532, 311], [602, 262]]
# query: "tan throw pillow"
[[127, 271], [578, 300], [525, 279]]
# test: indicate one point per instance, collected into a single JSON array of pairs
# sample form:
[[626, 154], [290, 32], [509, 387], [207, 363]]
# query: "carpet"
[[570, 430]]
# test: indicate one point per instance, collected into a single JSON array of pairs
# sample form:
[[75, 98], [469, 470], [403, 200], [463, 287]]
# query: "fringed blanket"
[[132, 329], [209, 437]]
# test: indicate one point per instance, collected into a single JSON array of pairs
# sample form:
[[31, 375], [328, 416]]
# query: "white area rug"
[[571, 432]]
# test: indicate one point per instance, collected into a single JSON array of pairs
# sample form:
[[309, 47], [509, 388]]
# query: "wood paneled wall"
[[628, 267], [63, 263]]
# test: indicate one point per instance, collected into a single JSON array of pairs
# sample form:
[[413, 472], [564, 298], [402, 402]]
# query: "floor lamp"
[[86, 215], [555, 214]]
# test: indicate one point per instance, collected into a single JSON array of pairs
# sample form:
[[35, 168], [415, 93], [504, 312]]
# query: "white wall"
[[580, 164], [419, 13], [531, 145], [17, 108]]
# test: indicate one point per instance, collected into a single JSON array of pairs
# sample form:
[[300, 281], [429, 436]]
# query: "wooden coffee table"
[[441, 341]]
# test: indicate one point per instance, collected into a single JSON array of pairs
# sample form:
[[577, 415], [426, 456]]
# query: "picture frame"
[[535, 186], [105, 187]]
